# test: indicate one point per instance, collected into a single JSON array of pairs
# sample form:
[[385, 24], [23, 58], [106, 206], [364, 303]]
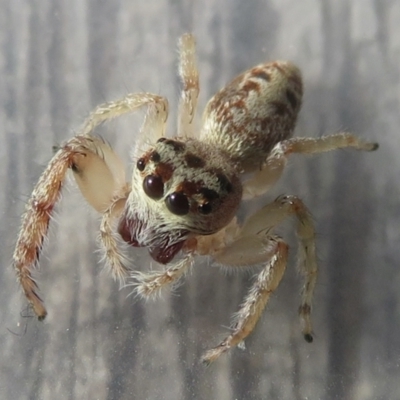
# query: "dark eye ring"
[[177, 203], [153, 186]]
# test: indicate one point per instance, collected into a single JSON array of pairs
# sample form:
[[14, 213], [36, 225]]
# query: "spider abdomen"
[[254, 112]]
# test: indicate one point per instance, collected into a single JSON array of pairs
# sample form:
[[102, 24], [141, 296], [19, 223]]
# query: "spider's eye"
[[209, 195], [155, 157], [205, 208], [177, 203], [153, 186], [141, 164]]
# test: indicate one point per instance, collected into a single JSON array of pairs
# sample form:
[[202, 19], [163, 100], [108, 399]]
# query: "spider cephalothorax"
[[181, 188], [185, 190]]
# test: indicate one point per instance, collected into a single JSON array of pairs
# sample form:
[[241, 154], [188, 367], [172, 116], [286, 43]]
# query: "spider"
[[185, 190]]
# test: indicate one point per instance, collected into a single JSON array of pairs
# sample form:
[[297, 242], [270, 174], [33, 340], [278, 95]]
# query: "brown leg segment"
[[249, 314], [35, 224]]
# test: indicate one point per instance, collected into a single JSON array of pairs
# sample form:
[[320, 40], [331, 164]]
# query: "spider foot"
[[148, 285], [30, 289], [211, 355], [305, 315], [374, 146], [235, 339], [308, 337]]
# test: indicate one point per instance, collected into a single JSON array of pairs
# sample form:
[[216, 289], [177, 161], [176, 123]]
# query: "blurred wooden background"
[[59, 59]]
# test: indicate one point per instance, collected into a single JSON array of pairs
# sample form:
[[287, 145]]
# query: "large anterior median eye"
[[177, 203], [153, 186]]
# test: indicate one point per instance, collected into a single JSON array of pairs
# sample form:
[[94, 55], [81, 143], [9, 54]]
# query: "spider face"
[[181, 188], [185, 191]]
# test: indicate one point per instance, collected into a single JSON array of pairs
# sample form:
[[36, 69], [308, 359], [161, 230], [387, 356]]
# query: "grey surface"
[[59, 58]]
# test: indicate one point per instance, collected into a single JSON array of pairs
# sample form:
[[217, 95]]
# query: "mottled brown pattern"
[[164, 170], [281, 68], [177, 145], [251, 85], [193, 161], [251, 116], [261, 74], [60, 59], [189, 188]]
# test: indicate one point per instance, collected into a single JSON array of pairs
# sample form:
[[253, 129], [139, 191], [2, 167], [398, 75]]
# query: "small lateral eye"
[[205, 208], [153, 186], [155, 157], [177, 203], [141, 164]]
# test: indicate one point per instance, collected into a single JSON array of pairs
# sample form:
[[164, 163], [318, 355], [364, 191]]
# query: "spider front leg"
[[97, 171], [35, 224], [255, 245], [273, 167], [100, 175]]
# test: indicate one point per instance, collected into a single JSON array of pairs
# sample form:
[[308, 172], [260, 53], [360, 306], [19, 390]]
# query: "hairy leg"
[[327, 143], [273, 167], [149, 284], [254, 245], [99, 175], [35, 223], [190, 80], [272, 215], [113, 256], [251, 309], [155, 119]]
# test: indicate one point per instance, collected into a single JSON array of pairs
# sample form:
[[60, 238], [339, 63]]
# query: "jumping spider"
[[186, 190]]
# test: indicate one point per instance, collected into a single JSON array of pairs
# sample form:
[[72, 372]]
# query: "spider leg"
[[98, 171], [115, 260], [190, 79], [100, 177], [35, 222], [268, 175], [327, 143], [149, 284], [154, 123], [254, 245], [273, 167], [275, 250]]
